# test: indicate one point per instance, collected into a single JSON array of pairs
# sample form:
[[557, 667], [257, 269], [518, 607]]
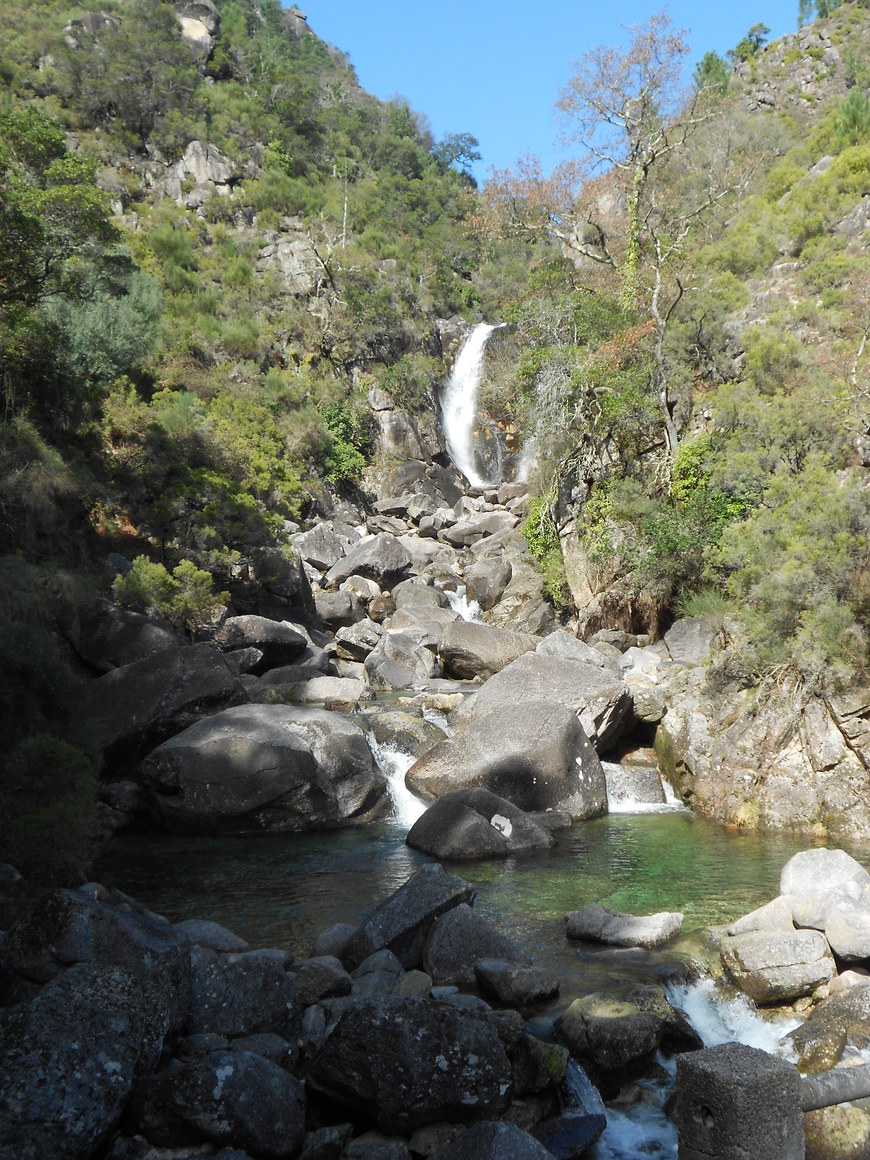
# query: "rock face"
[[412, 1063], [469, 650], [265, 768], [538, 759], [770, 762], [474, 823], [600, 700]]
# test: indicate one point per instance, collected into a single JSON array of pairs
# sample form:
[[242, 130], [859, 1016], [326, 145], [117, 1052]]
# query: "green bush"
[[542, 537], [185, 597]]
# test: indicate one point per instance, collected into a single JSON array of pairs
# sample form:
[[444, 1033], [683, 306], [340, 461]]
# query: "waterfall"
[[394, 764], [459, 602], [459, 402]]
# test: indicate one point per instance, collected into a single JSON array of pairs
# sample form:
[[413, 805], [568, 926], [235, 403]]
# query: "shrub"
[[542, 537], [184, 597]]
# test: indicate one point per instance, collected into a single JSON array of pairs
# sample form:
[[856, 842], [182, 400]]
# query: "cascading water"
[[394, 764], [459, 602], [459, 403]]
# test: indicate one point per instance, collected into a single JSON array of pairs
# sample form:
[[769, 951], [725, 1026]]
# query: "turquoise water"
[[282, 891]]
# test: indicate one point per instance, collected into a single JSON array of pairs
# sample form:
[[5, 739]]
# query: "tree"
[[712, 72], [816, 10], [457, 149]]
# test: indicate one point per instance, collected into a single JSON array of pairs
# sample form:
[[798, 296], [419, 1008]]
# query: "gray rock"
[[213, 936], [692, 641], [478, 527], [332, 940], [375, 1146], [107, 636], [816, 881], [321, 546], [513, 985], [495, 1141], [538, 759], [404, 730], [227, 1098], [332, 692], [819, 1042], [320, 977], [341, 609], [402, 922], [848, 930], [630, 783], [270, 1046], [398, 662], [600, 700], [562, 644], [278, 641], [276, 768], [355, 642], [458, 939], [326, 1143], [486, 581], [608, 1036], [414, 594], [538, 1067], [412, 1062], [571, 1134], [379, 974], [775, 915], [66, 927], [623, 930], [425, 624], [133, 708], [474, 823], [774, 966], [68, 1060], [241, 994], [468, 649], [382, 558]]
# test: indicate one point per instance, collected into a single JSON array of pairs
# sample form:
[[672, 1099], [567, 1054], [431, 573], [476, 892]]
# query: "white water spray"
[[459, 602], [394, 764], [459, 402]]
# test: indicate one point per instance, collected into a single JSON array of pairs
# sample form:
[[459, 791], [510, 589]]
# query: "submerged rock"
[[474, 823]]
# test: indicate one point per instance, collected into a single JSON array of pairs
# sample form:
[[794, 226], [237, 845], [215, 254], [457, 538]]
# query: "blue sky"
[[494, 69]]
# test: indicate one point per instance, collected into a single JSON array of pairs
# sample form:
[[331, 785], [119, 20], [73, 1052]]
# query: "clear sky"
[[494, 69]]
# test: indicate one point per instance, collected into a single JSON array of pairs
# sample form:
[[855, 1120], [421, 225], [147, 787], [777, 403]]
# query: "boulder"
[[68, 1059], [320, 977], [341, 609], [412, 1062], [355, 642], [468, 649], [107, 636], [414, 594], [495, 1141], [241, 994], [601, 924], [133, 708], [777, 966], [775, 915], [486, 581], [538, 759], [279, 641], [398, 662], [404, 730], [632, 785], [562, 644], [321, 546], [474, 823], [818, 1043], [515, 985], [817, 881], [381, 558], [256, 768], [231, 1098], [333, 692], [402, 922], [600, 700], [458, 939], [692, 641], [67, 927], [571, 1134], [202, 932], [610, 1038], [848, 930], [424, 624], [477, 527]]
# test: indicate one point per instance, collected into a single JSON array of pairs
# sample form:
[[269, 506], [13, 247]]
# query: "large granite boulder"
[[382, 558], [69, 927], [819, 1042], [514, 984], [562, 644], [321, 546], [68, 1059], [474, 823], [107, 636], [468, 649], [398, 662], [778, 966], [354, 642], [600, 700], [486, 581], [458, 939], [816, 882], [494, 1140], [241, 994], [232, 1098], [265, 768], [538, 759], [610, 1038], [279, 642], [412, 1062], [133, 708], [402, 922]]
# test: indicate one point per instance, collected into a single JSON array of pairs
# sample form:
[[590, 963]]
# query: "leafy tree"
[[457, 149], [712, 72], [852, 122], [816, 9]]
